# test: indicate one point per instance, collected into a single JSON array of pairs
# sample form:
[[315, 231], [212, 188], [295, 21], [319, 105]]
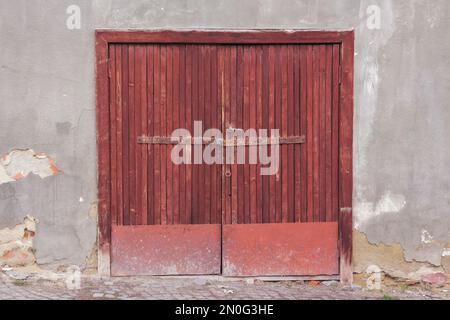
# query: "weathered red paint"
[[263, 92], [103, 157], [346, 159], [325, 182], [147, 187], [224, 37], [292, 249], [345, 245], [165, 250]]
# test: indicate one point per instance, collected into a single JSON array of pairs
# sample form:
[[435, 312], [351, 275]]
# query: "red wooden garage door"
[[212, 219], [284, 224], [166, 219]]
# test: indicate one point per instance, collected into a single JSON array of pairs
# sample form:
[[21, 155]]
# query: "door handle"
[[228, 175]]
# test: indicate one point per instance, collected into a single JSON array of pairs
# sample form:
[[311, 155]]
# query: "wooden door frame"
[[103, 38]]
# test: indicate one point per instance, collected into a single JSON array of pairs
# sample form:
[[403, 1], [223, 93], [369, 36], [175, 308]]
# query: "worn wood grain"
[[150, 83]]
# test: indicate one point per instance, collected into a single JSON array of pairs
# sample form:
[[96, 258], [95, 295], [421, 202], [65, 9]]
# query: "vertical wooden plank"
[[304, 131], [227, 122], [258, 126], [119, 135], [182, 124], [150, 126], [252, 149], [132, 134], [157, 149], [195, 117], [113, 134], [163, 114], [284, 131], [126, 137], [328, 133], [136, 133], [201, 116], [246, 125], [346, 160], [169, 128], [322, 135], [219, 123], [297, 149], [208, 125], [189, 126], [265, 125], [233, 123], [103, 147], [345, 245], [221, 98], [143, 161], [278, 125], [346, 122], [213, 124], [290, 132], [310, 135], [272, 125], [216, 194], [316, 130], [335, 132], [176, 125], [240, 124]]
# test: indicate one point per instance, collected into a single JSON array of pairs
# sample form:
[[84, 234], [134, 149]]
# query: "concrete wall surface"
[[402, 116]]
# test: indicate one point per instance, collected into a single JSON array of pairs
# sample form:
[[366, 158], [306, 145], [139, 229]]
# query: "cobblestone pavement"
[[196, 288]]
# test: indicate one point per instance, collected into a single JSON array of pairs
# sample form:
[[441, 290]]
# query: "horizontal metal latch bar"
[[293, 140], [246, 141], [173, 140]]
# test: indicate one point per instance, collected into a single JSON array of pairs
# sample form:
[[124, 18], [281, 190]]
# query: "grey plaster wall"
[[402, 111]]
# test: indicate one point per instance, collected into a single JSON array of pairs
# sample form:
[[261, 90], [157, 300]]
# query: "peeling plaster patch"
[[390, 259], [446, 258], [389, 203], [93, 211], [92, 261], [18, 164], [4, 177], [16, 244]]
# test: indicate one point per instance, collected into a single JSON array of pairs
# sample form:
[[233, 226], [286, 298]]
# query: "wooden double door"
[[188, 219]]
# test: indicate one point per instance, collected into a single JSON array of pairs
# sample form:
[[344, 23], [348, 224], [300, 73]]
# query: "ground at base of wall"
[[17, 285]]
